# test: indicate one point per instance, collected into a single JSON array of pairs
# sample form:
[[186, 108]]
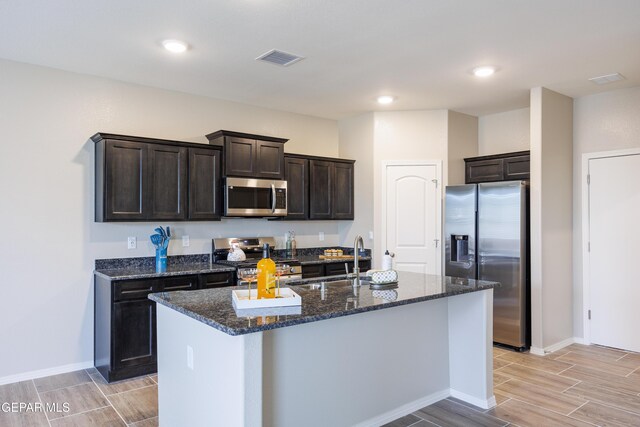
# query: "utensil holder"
[[161, 260]]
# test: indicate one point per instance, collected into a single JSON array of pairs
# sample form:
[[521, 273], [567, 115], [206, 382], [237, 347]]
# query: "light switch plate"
[[371, 235], [131, 242], [185, 241], [321, 236]]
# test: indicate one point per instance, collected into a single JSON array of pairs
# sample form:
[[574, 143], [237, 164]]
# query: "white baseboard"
[[537, 351], [45, 372], [406, 409], [557, 346], [580, 340], [481, 403]]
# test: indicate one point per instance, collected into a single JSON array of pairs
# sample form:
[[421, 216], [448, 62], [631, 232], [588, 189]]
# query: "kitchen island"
[[348, 356]]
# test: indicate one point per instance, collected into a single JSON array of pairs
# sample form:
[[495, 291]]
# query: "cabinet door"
[[320, 189], [343, 191], [125, 180], [270, 162], [134, 333], [241, 157], [484, 171], [516, 168], [217, 280], [314, 270], [167, 195], [297, 175], [205, 185]]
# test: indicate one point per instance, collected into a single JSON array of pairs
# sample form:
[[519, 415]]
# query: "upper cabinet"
[[205, 184], [331, 189], [143, 179], [250, 156], [499, 167], [296, 171]]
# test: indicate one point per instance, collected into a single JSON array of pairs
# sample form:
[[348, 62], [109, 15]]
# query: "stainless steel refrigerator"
[[487, 238]]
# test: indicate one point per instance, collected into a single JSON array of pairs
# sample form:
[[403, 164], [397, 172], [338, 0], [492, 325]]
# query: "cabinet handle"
[[273, 198]]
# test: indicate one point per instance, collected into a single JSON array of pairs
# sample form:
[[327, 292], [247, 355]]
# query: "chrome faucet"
[[357, 245]]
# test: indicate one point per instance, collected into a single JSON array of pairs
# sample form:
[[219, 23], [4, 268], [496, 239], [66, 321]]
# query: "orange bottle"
[[266, 275]]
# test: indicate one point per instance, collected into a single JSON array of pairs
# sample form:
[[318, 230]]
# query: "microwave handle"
[[273, 198]]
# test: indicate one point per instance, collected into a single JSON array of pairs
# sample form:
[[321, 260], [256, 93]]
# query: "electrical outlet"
[[185, 241], [190, 357], [321, 236], [371, 235], [131, 242]]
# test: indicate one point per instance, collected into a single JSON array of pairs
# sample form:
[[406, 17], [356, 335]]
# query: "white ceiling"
[[420, 51]]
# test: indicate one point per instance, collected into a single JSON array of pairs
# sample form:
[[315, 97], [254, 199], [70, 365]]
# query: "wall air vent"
[[609, 78], [279, 57]]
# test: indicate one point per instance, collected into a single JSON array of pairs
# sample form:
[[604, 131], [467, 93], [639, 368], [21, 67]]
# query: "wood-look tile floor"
[[576, 386], [92, 401], [582, 386]]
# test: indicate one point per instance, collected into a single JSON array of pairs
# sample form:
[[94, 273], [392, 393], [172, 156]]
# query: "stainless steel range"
[[290, 268]]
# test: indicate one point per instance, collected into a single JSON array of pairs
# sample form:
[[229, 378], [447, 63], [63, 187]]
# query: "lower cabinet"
[[332, 269], [125, 321]]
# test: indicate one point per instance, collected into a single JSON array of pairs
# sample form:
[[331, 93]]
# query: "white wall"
[[603, 122], [504, 132], [462, 142], [46, 177], [356, 142], [551, 218]]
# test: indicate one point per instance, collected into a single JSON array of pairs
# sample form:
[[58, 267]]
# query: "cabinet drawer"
[[182, 283], [338, 268], [217, 280], [315, 270], [133, 289]]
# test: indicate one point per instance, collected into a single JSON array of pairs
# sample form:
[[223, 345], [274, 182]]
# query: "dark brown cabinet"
[[166, 195], [121, 181], [205, 184], [143, 179], [499, 167], [135, 344], [331, 187], [343, 191], [125, 320], [250, 156], [296, 171]]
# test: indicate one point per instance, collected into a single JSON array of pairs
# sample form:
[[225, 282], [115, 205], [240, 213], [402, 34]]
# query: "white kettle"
[[235, 253]]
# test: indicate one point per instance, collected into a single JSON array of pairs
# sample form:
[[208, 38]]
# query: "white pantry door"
[[614, 258], [412, 217]]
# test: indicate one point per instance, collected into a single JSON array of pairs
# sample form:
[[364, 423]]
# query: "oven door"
[[255, 197]]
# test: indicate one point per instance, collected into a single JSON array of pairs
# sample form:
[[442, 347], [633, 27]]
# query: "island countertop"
[[214, 307]]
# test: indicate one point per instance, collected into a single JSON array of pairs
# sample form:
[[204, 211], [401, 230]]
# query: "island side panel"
[[365, 369], [225, 385], [471, 348]]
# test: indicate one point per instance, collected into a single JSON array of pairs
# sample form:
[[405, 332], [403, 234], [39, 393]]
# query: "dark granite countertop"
[[214, 307], [149, 272], [313, 259]]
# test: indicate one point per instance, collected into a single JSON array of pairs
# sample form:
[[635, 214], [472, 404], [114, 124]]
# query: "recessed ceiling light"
[[175, 46], [484, 71], [386, 99]]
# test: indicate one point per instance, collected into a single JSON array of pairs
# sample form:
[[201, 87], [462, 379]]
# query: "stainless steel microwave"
[[255, 197]]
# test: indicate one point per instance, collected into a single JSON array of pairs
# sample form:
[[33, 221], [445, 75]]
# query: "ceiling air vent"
[[609, 78], [279, 57]]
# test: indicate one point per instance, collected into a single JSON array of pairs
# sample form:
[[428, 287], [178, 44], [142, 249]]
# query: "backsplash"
[[149, 262]]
